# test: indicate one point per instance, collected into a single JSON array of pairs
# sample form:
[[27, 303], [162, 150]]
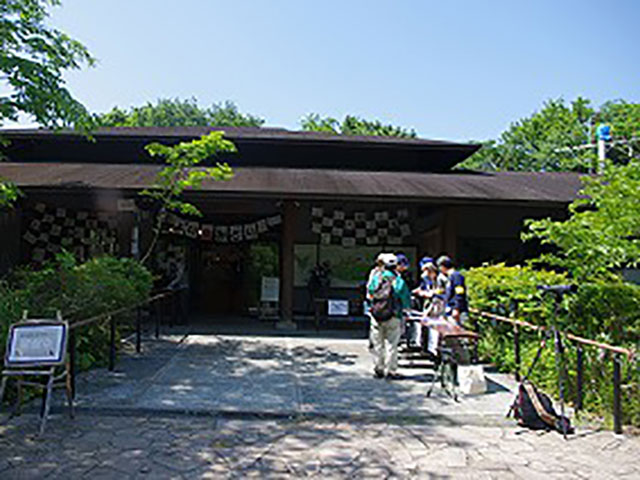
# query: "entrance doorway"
[[222, 271], [229, 276]]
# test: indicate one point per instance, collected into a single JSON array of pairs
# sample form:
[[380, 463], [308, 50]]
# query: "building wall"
[[492, 233], [471, 234], [10, 226]]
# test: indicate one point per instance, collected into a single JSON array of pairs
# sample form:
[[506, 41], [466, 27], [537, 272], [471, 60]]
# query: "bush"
[[605, 311], [78, 291]]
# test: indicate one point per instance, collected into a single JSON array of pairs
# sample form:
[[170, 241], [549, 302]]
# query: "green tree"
[[541, 142], [178, 113], [602, 233], [183, 172], [561, 137], [352, 125], [33, 59]]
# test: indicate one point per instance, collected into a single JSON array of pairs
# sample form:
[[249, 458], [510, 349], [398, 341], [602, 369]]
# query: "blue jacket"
[[456, 295]]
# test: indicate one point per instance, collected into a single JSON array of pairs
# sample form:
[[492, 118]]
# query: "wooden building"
[[297, 199]]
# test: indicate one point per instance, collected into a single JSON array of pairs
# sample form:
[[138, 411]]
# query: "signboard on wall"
[[338, 308], [270, 291], [305, 259], [37, 343], [349, 266]]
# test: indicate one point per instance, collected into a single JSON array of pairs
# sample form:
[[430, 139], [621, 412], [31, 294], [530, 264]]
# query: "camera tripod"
[[557, 291]]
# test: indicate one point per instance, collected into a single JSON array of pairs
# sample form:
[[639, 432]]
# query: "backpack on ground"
[[533, 409], [383, 304]]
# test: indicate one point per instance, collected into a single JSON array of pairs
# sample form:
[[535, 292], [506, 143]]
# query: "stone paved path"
[[276, 375], [199, 407], [196, 447]]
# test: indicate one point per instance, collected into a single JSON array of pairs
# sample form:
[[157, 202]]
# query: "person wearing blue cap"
[[456, 294]]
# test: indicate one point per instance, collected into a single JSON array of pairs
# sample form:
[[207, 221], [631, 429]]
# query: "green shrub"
[[605, 311], [78, 291]]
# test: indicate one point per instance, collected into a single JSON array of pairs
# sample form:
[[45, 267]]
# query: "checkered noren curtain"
[[336, 227], [82, 233]]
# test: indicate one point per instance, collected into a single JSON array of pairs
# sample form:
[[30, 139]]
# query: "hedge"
[[607, 312]]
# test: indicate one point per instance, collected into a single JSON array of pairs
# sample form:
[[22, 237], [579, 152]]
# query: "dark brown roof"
[[552, 188], [236, 133], [264, 147]]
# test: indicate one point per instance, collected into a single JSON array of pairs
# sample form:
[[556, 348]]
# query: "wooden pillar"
[[287, 239], [10, 241], [450, 232], [126, 222]]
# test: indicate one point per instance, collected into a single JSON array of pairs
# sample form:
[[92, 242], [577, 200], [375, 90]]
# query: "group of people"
[[441, 292]]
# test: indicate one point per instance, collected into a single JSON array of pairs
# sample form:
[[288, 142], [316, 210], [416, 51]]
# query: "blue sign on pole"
[[603, 132]]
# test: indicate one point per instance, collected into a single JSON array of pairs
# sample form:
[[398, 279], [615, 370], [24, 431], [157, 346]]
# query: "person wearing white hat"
[[377, 267], [389, 296]]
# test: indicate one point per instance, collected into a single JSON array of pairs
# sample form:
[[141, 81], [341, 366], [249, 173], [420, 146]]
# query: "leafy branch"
[[602, 233], [183, 172]]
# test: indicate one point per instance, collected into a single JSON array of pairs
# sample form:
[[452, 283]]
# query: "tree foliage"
[[33, 59], [8, 193], [183, 172], [352, 125], [168, 112], [556, 138], [603, 231]]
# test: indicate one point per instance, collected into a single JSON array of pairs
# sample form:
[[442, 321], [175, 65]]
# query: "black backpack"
[[533, 409], [383, 304]]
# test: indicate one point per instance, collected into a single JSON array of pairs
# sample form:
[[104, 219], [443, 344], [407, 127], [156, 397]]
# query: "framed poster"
[[40, 342], [338, 308], [350, 266], [270, 291], [305, 259]]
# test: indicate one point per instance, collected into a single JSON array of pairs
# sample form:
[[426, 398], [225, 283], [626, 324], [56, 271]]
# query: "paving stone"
[[274, 375]]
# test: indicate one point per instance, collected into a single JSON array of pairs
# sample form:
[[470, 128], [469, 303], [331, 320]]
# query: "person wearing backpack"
[[389, 296]]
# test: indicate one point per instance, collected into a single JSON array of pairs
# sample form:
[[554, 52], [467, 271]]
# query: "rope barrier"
[[605, 346]]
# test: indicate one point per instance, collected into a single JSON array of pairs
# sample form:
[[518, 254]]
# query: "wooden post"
[[516, 350], [72, 361], [157, 307], [126, 222], [138, 329], [617, 400], [450, 232], [287, 240], [579, 376], [112, 343]]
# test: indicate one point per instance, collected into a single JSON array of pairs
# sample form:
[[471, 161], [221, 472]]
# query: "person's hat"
[[445, 261], [402, 259], [424, 261], [390, 260], [431, 266]]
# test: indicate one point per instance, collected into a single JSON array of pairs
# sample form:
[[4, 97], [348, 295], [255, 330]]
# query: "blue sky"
[[456, 70]]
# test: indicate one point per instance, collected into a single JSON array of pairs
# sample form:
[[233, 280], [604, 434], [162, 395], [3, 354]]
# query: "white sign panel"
[[37, 343], [270, 289], [338, 307], [434, 338], [126, 205]]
